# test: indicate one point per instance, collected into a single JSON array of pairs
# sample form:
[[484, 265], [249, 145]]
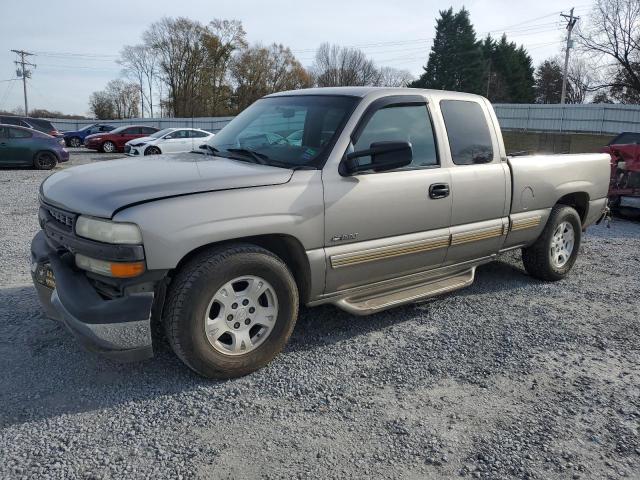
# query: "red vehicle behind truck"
[[624, 189]]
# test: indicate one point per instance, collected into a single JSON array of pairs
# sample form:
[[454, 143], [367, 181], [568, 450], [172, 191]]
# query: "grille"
[[61, 217], [127, 148]]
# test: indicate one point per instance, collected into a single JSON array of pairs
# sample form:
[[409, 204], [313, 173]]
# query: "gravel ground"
[[510, 378]]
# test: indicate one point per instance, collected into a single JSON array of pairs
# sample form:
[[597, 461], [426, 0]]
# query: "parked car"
[[114, 141], [169, 140], [20, 146], [75, 138], [44, 126], [624, 188], [411, 192]]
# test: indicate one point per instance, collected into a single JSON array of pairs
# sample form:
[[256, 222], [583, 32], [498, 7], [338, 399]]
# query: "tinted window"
[[197, 134], [40, 124], [19, 133], [132, 131], [3, 132], [408, 123], [13, 121], [468, 133], [626, 138], [148, 130]]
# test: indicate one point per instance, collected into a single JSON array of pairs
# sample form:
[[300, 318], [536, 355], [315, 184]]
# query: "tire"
[[152, 151], [44, 161], [550, 259], [74, 142], [191, 302], [108, 147]]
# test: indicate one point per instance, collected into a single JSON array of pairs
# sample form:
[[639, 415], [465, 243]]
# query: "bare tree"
[[221, 40], [140, 64], [177, 43], [394, 77], [613, 33], [118, 100], [337, 66], [258, 71], [581, 80]]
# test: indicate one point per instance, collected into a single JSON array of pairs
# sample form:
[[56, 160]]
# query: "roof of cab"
[[379, 91]]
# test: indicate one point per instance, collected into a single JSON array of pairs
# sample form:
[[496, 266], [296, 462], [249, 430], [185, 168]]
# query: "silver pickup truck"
[[364, 198]]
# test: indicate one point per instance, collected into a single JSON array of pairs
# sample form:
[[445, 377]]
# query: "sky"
[[77, 42]]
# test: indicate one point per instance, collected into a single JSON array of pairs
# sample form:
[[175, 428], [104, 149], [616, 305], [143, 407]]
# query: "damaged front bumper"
[[119, 328]]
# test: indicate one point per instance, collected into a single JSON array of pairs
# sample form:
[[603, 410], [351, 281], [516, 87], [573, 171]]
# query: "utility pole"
[[571, 22], [24, 73]]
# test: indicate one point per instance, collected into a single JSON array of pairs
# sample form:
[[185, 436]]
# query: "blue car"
[[76, 138]]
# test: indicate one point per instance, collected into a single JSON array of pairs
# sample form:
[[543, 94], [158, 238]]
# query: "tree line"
[[184, 68]]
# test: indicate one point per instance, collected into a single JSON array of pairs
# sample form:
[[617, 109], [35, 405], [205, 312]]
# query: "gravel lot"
[[510, 378]]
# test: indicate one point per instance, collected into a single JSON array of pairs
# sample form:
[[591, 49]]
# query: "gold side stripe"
[[467, 237], [382, 253], [525, 223]]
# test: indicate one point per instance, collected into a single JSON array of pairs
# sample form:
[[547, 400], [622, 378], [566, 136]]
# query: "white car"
[[169, 140]]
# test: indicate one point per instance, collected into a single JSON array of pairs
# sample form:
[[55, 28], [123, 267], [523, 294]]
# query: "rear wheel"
[[152, 151], [108, 147], [45, 161], [230, 310], [75, 142], [552, 256]]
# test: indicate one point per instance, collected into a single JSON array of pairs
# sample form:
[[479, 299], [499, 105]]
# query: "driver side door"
[[381, 225]]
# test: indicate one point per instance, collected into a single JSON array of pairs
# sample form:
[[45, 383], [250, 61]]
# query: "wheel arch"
[[152, 146], [286, 247], [45, 150], [579, 201]]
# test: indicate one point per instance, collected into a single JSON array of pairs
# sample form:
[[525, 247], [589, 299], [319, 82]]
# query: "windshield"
[[289, 131], [119, 129], [161, 133], [87, 127]]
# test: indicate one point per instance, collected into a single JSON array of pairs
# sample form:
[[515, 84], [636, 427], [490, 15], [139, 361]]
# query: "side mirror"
[[384, 156]]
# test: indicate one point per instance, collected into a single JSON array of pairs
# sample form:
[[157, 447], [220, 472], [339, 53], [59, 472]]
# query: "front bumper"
[[119, 328]]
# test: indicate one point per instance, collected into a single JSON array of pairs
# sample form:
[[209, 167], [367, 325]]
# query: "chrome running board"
[[376, 300]]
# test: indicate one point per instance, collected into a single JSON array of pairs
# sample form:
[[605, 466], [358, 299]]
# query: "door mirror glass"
[[384, 156]]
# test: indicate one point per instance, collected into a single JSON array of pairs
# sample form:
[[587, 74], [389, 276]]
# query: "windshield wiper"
[[258, 157], [207, 148]]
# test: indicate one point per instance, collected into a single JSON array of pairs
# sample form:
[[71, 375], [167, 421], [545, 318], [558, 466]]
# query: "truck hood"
[[100, 189]]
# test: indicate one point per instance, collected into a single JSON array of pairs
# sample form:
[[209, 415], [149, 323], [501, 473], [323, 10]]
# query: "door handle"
[[439, 190]]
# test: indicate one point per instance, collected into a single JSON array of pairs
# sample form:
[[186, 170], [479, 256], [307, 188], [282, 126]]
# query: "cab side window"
[[410, 123], [468, 132], [19, 133], [3, 132]]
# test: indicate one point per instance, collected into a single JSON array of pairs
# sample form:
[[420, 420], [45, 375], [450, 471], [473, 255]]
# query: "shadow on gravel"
[[46, 373], [327, 324]]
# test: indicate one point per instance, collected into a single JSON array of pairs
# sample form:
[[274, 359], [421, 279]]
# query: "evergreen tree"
[[549, 82], [455, 61], [509, 74]]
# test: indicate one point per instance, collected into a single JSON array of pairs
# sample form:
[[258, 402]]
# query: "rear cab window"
[[468, 132]]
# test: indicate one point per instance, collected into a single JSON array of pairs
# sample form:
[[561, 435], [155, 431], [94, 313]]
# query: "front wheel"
[[108, 147], [152, 151], [230, 310], [553, 254], [45, 161]]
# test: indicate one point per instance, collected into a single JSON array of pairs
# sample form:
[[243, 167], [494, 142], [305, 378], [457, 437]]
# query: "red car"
[[624, 189], [113, 141]]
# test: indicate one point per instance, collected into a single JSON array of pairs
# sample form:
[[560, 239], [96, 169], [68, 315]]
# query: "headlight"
[[138, 144], [108, 231], [95, 138]]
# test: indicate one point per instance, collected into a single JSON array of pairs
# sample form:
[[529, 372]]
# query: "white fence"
[[597, 119]]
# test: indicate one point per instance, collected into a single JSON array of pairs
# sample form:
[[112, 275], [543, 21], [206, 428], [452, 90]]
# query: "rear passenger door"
[[480, 182]]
